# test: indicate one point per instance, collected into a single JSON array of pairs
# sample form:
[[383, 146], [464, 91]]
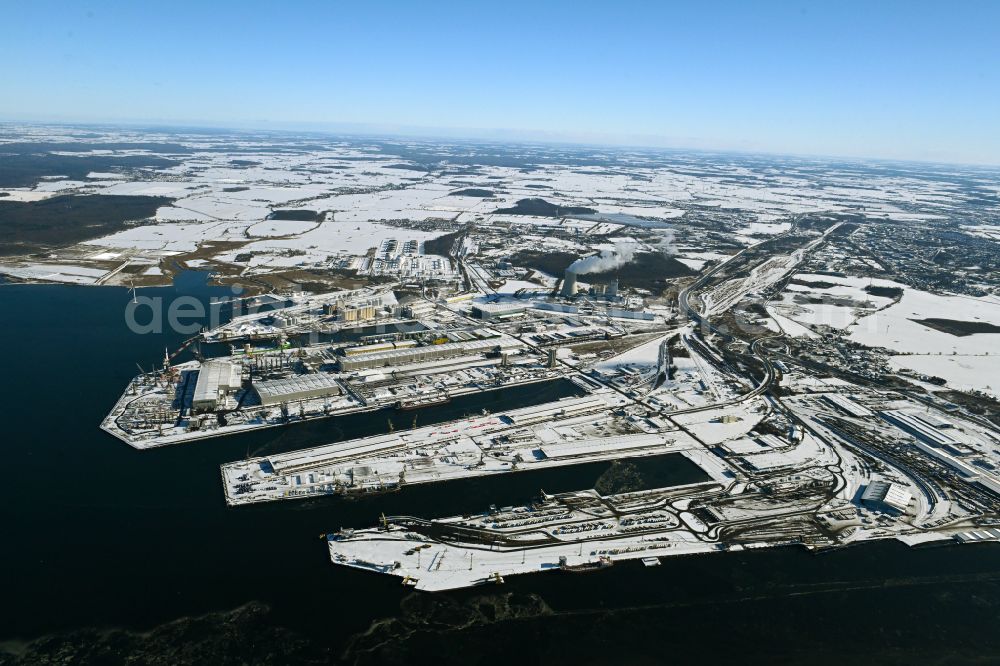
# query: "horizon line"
[[494, 135]]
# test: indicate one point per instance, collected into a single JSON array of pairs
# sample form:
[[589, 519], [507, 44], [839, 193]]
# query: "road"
[[756, 347]]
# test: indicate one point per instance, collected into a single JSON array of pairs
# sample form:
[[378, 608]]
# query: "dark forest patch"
[[26, 170], [818, 284], [407, 167], [28, 226], [647, 270], [465, 171], [294, 215], [442, 244], [958, 328], [473, 192], [28, 147], [629, 476], [884, 292], [543, 208]]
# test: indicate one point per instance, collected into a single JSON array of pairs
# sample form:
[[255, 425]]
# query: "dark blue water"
[[97, 534]]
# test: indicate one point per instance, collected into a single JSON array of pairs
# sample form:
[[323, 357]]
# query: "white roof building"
[[892, 495], [299, 387], [847, 405], [920, 427], [216, 379]]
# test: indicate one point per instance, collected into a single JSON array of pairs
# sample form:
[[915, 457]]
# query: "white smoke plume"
[[666, 244], [607, 260]]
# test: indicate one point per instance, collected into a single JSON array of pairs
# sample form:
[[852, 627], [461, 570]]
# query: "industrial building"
[[609, 291], [298, 387], [846, 405], [353, 313], [499, 310], [422, 354], [417, 309], [744, 446], [356, 311], [556, 307], [285, 320], [379, 347], [886, 494], [596, 445], [566, 408], [923, 429], [568, 337], [216, 380], [767, 461], [619, 313], [973, 473], [476, 334]]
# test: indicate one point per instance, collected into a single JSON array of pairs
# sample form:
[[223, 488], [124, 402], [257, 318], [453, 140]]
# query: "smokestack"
[[612, 291], [569, 284]]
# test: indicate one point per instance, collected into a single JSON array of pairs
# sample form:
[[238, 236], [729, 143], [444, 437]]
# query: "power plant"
[[569, 284]]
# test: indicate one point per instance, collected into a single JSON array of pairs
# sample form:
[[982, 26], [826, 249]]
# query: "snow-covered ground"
[[55, 273], [845, 302], [963, 372], [361, 187], [896, 329]]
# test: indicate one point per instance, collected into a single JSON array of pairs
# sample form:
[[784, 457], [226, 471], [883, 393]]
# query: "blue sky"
[[909, 80]]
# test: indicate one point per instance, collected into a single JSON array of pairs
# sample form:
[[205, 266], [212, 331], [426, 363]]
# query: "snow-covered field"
[[966, 361], [845, 302], [895, 329], [23, 194], [963, 372], [55, 273]]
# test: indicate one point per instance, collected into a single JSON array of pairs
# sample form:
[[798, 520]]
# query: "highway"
[[756, 347], [684, 306]]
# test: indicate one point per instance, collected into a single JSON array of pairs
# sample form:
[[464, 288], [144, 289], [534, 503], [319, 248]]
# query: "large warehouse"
[[298, 387], [887, 494], [500, 310], [920, 427], [421, 354], [216, 380]]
